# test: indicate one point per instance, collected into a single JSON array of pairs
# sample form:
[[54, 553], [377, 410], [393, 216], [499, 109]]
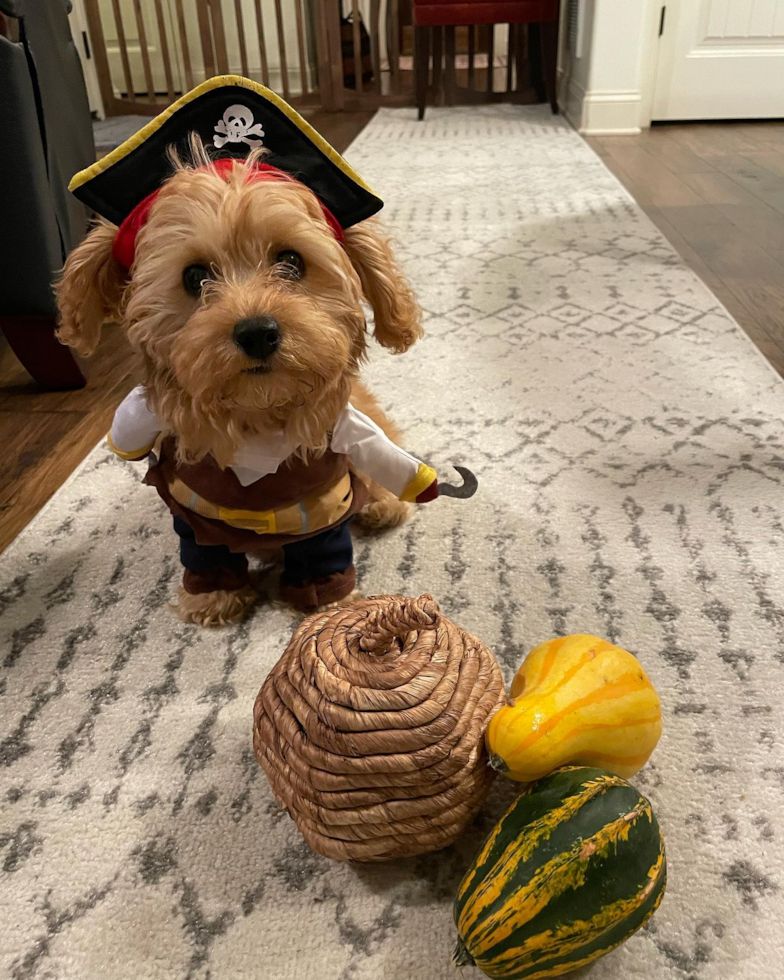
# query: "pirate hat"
[[232, 115]]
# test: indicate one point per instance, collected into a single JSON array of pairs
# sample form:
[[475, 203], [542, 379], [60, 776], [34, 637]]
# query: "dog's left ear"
[[90, 290], [397, 314]]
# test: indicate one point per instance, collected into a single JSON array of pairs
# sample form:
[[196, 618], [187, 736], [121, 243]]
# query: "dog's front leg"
[[319, 571], [216, 588], [383, 508]]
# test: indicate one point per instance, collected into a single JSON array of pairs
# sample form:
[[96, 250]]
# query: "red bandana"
[[124, 246]]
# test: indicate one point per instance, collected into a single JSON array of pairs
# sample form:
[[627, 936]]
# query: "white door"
[[78, 21], [720, 59]]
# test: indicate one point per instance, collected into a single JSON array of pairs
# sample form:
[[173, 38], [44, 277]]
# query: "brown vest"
[[301, 499]]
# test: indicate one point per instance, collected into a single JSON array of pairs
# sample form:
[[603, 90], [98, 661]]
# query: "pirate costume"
[[269, 497]]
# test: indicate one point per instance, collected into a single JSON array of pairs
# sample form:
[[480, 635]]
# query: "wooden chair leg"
[[450, 81], [33, 341], [421, 66], [549, 60], [510, 54], [471, 57], [489, 84], [535, 47], [522, 58], [438, 61]]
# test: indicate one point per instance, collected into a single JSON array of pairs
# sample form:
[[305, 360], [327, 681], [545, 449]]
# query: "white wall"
[[603, 89]]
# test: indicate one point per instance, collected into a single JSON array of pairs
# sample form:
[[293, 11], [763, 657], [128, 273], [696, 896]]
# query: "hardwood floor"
[[716, 191], [47, 434]]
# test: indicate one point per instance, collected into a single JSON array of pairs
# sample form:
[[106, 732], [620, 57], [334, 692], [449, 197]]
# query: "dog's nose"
[[258, 336]]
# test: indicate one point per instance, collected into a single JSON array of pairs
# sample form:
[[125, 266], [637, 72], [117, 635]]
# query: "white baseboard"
[[612, 113]]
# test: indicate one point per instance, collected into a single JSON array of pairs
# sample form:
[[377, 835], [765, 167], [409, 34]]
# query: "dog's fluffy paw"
[[304, 613], [214, 608], [387, 512], [346, 601]]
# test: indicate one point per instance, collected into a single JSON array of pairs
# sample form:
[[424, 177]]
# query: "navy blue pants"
[[319, 557]]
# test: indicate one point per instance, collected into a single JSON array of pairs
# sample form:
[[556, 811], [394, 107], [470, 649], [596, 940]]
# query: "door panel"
[[721, 59]]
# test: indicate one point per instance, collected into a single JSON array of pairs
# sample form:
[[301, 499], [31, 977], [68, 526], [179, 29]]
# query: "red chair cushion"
[[460, 13]]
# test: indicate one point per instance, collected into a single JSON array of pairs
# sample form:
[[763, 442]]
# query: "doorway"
[[719, 59]]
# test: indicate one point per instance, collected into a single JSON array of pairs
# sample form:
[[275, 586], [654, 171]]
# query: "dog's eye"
[[194, 277], [290, 264]]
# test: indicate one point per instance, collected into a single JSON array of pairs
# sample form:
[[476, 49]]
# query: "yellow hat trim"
[[219, 81]]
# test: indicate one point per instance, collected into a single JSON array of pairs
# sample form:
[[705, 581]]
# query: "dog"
[[247, 312]]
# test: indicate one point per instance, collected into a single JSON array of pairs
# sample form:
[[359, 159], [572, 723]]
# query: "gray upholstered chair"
[[45, 137]]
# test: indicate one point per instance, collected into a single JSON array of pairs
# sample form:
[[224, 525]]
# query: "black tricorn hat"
[[232, 115]]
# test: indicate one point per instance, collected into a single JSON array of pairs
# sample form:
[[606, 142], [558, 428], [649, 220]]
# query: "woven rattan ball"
[[370, 728]]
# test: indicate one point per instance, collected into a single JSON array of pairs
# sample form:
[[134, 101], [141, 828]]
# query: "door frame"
[[651, 50], [80, 32]]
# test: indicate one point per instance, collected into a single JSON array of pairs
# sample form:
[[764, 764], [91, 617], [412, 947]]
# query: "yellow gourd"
[[576, 700]]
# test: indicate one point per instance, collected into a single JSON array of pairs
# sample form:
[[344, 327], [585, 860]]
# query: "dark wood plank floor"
[[47, 434], [716, 191]]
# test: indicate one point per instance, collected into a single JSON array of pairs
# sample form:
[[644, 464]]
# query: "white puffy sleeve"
[[134, 428], [373, 453]]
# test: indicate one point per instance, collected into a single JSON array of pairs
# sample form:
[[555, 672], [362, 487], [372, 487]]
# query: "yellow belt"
[[312, 513]]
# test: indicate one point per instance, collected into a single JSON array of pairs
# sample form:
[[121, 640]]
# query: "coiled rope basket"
[[370, 728]]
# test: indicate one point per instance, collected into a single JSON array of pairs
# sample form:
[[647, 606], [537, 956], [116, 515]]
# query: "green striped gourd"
[[575, 866]]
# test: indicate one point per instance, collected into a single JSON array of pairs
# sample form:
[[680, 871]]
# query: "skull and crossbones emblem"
[[237, 126]]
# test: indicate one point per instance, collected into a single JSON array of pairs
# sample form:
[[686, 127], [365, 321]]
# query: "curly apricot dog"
[[247, 309]]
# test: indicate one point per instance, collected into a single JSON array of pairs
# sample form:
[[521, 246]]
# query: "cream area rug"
[[629, 444]]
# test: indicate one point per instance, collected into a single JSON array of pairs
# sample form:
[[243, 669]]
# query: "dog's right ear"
[[90, 289]]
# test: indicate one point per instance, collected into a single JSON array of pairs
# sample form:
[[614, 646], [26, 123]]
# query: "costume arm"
[[134, 428], [372, 452]]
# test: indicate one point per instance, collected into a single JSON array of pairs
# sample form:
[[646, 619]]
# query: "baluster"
[[303, 61], [325, 80], [357, 47], [219, 35], [284, 71], [123, 45], [205, 33], [375, 37], [137, 9], [241, 37], [167, 68], [186, 54], [394, 41], [262, 43]]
